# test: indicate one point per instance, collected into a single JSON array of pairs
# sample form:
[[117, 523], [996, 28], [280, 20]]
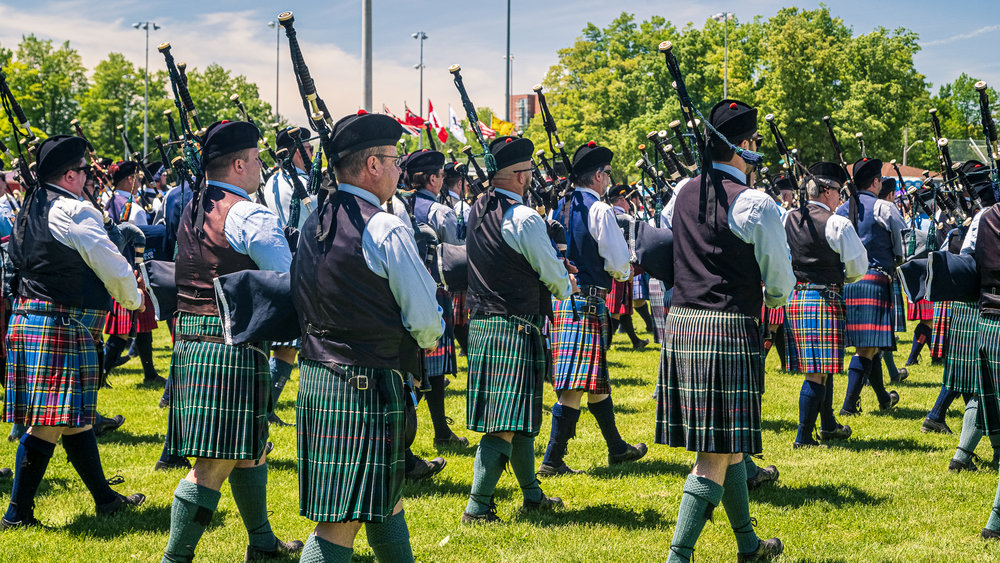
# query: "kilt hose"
[[962, 370], [657, 306], [442, 359], [922, 310], [988, 345], [53, 371], [580, 345], [119, 319], [814, 330], [869, 311], [460, 311], [350, 435], [710, 383], [640, 286], [619, 300], [898, 307], [220, 395], [939, 336], [507, 364]]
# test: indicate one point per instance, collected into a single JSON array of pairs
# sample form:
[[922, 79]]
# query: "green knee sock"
[[390, 540], [522, 462], [249, 486], [737, 504], [700, 496], [190, 515], [491, 457], [751, 467], [318, 550]]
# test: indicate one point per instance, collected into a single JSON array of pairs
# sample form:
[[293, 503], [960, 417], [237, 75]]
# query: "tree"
[[48, 83]]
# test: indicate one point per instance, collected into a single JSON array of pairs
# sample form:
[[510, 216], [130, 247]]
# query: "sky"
[[236, 35]]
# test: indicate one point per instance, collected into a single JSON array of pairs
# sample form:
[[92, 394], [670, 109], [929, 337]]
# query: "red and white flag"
[[486, 131], [407, 128], [442, 133], [413, 119]]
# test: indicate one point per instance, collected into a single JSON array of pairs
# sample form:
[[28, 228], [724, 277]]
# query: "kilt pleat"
[[619, 300], [710, 382], [815, 326], [657, 306], [53, 372], [939, 336], [442, 360], [922, 310], [988, 345], [350, 443], [962, 370], [869, 311], [580, 345], [507, 364], [220, 395], [119, 319], [460, 309], [898, 307], [640, 286]]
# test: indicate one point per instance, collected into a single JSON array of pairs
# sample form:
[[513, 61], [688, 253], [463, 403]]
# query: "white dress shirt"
[[277, 196], [252, 229], [525, 231], [442, 218], [611, 243]]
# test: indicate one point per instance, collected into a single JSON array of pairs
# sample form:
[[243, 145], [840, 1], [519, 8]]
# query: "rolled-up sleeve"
[[525, 231], [844, 240], [254, 230], [755, 219], [611, 243]]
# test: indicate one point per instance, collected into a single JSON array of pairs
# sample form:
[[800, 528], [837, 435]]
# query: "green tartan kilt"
[[988, 343], [351, 449], [219, 394], [962, 371], [507, 365]]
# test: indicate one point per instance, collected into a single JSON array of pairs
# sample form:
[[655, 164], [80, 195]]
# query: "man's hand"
[[572, 283], [569, 266], [139, 281]]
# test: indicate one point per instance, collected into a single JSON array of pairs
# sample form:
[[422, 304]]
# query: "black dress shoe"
[[935, 426], [956, 466], [488, 517], [764, 475], [545, 503], [640, 344], [893, 400], [631, 453], [154, 381], [282, 551], [903, 374], [553, 471], [426, 469], [989, 534], [175, 462], [273, 419], [766, 551], [5, 472], [842, 433], [105, 425], [164, 402], [27, 522], [451, 442], [268, 448], [109, 508]]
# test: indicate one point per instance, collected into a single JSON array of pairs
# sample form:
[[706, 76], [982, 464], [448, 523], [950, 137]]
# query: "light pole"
[[507, 111], [421, 36], [724, 17], [277, 63], [907, 149], [145, 109], [128, 97]]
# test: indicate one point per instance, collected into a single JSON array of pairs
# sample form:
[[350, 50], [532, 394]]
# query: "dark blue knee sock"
[[857, 373], [944, 400], [564, 421], [281, 371], [810, 399], [604, 412], [82, 452], [890, 365], [921, 336], [876, 380], [33, 455], [827, 420]]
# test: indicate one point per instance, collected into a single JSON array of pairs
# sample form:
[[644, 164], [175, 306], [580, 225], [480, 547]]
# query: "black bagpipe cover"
[[654, 251], [952, 277], [913, 278], [452, 267], [256, 306], [156, 242], [162, 287]]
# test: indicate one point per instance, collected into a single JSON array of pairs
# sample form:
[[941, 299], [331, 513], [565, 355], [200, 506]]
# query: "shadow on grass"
[[909, 383], [282, 464], [780, 425], [628, 382], [837, 496], [897, 444], [154, 519], [435, 486], [124, 437], [901, 412], [601, 515], [641, 467]]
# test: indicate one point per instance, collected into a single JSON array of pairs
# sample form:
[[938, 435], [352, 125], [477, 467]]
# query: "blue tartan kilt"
[[870, 319], [962, 369], [658, 305], [710, 382], [442, 360], [898, 307], [640, 286], [814, 326]]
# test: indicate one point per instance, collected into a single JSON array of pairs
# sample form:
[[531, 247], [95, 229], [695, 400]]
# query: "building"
[[522, 108]]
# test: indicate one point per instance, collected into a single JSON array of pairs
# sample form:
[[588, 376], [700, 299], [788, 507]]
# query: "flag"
[[455, 126], [407, 128], [432, 116], [486, 131], [413, 119], [502, 128]]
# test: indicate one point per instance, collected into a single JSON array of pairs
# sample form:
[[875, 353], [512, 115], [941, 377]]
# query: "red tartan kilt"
[[461, 312], [922, 310], [772, 316], [619, 300], [119, 321]]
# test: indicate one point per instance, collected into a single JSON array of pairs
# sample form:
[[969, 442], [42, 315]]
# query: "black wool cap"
[[285, 139], [782, 182], [591, 156], [455, 170], [734, 119], [508, 151], [975, 171], [360, 131], [828, 171], [123, 170], [225, 137], [424, 161], [888, 187], [620, 190], [866, 170], [58, 151]]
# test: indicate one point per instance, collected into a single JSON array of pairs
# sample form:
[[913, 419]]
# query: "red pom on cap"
[[591, 144], [509, 140], [978, 166], [733, 105], [223, 122], [362, 112], [865, 159]]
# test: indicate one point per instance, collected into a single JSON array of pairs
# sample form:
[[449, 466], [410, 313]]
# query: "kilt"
[[988, 345], [774, 316], [922, 310], [119, 319], [942, 322], [710, 382], [53, 371], [580, 346], [442, 359], [869, 311], [619, 301], [814, 328], [898, 307], [219, 395], [657, 306], [640, 286], [507, 363], [962, 371], [350, 443], [459, 310]]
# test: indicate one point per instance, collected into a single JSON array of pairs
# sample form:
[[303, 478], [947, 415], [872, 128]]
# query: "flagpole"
[[507, 111]]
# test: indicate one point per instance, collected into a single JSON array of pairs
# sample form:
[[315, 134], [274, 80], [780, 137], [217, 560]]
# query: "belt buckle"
[[591, 309], [360, 382]]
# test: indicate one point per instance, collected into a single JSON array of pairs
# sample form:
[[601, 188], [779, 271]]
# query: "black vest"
[[813, 261], [50, 270], [988, 260], [713, 269], [347, 313], [501, 280]]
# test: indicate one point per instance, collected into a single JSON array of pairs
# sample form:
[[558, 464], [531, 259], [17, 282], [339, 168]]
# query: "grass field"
[[884, 495]]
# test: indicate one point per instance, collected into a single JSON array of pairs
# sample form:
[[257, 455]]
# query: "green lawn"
[[885, 495]]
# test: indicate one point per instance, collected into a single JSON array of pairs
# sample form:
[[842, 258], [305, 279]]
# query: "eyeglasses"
[[396, 160], [607, 171], [519, 171], [86, 169]]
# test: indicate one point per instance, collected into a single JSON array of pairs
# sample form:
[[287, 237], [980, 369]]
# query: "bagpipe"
[[23, 135]]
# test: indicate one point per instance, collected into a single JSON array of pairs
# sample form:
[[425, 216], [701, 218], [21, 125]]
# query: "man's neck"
[[63, 186], [509, 187]]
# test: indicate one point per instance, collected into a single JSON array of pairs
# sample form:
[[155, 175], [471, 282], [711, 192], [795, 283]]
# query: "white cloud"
[[961, 36]]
